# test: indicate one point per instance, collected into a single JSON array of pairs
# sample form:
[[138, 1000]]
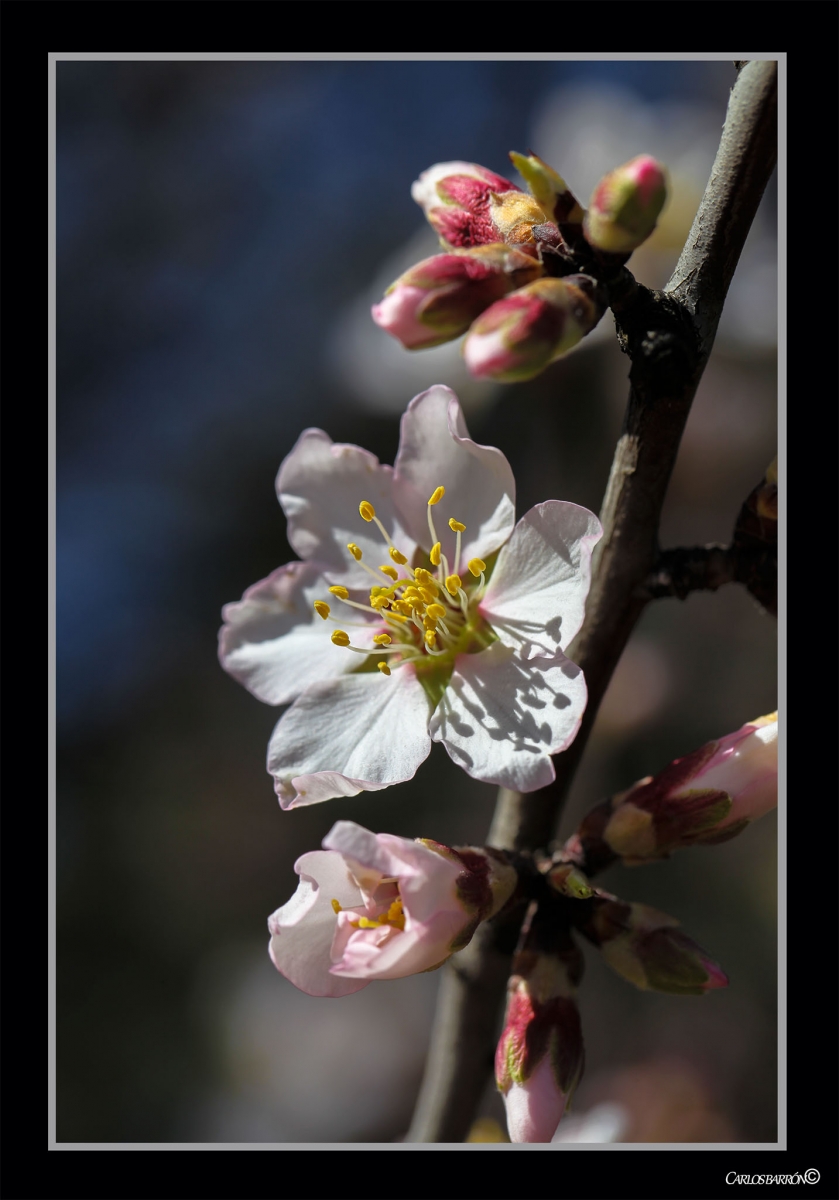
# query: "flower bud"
[[549, 189], [645, 947], [625, 206], [439, 298], [468, 206], [539, 1058], [702, 799], [519, 336]]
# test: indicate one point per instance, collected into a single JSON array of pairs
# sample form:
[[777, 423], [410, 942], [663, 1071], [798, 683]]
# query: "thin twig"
[[668, 336]]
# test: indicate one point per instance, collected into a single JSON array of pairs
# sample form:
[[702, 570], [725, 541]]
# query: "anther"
[[435, 554], [397, 556], [354, 550], [340, 638], [336, 907], [456, 526], [391, 572], [384, 668], [366, 510], [429, 594], [322, 608], [453, 584], [382, 639], [477, 566], [379, 602], [437, 495], [436, 611], [430, 637], [340, 592]]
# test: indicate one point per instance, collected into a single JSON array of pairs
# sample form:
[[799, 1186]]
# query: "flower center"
[[429, 614], [393, 916]]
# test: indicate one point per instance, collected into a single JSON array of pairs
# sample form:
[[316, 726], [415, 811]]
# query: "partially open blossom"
[[439, 298], [423, 613], [704, 798], [645, 947], [468, 205], [539, 1058], [625, 206], [517, 337], [376, 906]]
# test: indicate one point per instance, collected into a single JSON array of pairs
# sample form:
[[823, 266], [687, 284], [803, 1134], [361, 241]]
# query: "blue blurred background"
[[222, 229]]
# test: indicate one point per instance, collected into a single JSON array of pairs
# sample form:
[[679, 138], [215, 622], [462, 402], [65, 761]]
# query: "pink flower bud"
[[468, 205], [539, 1058], [519, 336], [704, 798], [645, 947], [376, 906], [439, 298], [625, 206]]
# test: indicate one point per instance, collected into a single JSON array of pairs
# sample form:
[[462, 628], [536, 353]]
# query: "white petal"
[[358, 733], [537, 594], [275, 643], [502, 716], [435, 449], [303, 929], [320, 486]]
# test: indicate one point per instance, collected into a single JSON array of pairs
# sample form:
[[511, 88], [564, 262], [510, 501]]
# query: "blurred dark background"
[[222, 229]]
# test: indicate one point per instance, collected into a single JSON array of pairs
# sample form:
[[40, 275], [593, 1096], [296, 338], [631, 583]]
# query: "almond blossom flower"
[[453, 628], [376, 906]]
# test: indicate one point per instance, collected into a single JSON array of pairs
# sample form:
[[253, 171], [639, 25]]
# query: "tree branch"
[[668, 336]]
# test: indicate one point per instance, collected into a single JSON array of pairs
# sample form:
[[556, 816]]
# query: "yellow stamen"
[[395, 915], [340, 592], [384, 668], [322, 608], [366, 923], [430, 638], [395, 616], [453, 584], [354, 550], [379, 602], [366, 510], [429, 623], [477, 566], [456, 526], [397, 556], [403, 606], [437, 495], [391, 572], [336, 907], [382, 639], [436, 611], [429, 594], [340, 638], [424, 577], [435, 554]]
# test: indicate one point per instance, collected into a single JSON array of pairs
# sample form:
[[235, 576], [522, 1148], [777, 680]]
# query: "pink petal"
[[302, 929]]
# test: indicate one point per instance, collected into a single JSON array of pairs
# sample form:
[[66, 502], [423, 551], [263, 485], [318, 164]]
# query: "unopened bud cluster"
[[498, 280]]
